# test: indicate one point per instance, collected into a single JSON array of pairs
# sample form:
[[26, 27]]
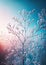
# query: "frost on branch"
[[29, 37], [42, 19]]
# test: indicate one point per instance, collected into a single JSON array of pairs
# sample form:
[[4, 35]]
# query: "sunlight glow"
[[4, 19]]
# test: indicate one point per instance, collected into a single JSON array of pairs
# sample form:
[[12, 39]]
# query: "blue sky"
[[14, 5]]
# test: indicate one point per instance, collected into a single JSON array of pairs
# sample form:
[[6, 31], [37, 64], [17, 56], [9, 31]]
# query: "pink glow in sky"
[[5, 16]]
